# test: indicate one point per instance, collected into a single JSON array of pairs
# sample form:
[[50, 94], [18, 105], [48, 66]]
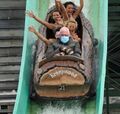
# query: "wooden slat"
[[12, 4], [8, 95], [8, 80], [113, 75], [9, 24], [8, 86], [113, 92], [111, 35], [9, 77], [8, 102], [11, 43], [113, 29], [12, 14], [116, 78], [114, 9], [115, 87], [9, 69], [114, 2], [11, 34], [112, 111], [6, 111], [114, 23], [114, 17], [113, 106], [113, 100], [10, 52], [10, 60]]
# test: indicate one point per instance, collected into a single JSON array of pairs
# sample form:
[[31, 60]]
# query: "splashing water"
[[63, 107], [58, 107], [57, 110]]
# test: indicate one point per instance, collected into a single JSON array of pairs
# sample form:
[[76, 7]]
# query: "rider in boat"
[[70, 8], [56, 16], [64, 45], [72, 12], [73, 26]]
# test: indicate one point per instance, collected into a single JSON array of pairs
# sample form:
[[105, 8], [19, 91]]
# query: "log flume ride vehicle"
[[67, 76]]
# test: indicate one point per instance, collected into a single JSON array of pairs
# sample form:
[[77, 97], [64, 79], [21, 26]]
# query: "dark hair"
[[69, 3], [51, 20], [56, 11], [50, 33]]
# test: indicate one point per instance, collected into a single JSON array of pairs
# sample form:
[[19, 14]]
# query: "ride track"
[[96, 11]]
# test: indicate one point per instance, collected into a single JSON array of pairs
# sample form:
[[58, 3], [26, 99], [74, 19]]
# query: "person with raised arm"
[[61, 9], [56, 16], [40, 36], [70, 8], [73, 13]]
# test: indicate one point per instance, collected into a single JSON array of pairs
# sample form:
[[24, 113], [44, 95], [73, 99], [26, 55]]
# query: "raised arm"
[[57, 4], [39, 35], [60, 7], [45, 23], [77, 12]]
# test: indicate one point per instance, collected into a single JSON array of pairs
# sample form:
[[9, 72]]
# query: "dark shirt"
[[57, 46]]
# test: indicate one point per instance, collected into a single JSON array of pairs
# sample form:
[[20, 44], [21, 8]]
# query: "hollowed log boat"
[[64, 77]]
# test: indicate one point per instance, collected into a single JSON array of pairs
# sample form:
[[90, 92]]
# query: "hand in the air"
[[30, 14], [31, 29]]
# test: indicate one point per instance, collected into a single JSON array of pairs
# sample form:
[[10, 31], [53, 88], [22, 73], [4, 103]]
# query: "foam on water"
[[61, 107], [62, 110]]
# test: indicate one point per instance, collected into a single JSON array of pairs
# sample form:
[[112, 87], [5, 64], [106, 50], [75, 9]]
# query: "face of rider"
[[70, 9], [71, 26], [64, 35], [64, 39], [56, 15]]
